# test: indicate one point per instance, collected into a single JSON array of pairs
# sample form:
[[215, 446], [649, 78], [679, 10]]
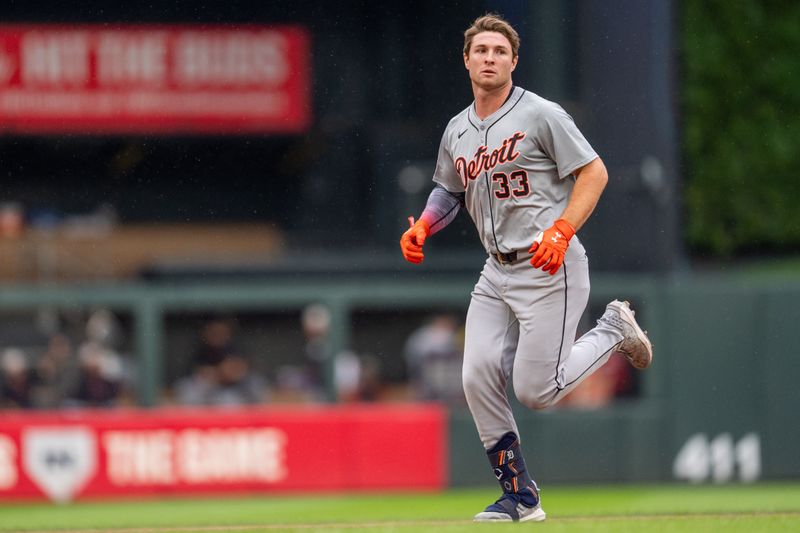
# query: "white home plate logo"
[[59, 461]]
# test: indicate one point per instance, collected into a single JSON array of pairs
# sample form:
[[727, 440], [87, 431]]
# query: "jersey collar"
[[500, 110]]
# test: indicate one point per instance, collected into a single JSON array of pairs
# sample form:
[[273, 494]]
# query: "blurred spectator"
[[305, 380], [371, 384], [347, 376], [237, 384], [357, 378], [101, 368], [198, 387], [216, 343], [316, 324], [434, 356], [220, 375], [57, 373], [101, 377], [16, 382]]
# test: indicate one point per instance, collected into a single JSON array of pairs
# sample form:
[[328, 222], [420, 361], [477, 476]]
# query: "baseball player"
[[529, 180]]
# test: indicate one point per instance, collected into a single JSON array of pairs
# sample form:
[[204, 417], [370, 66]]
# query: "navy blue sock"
[[504, 443], [508, 466]]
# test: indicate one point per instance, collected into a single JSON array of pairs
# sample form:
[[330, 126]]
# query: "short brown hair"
[[492, 22]]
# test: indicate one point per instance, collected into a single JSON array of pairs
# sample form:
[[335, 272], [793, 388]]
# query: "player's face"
[[490, 61]]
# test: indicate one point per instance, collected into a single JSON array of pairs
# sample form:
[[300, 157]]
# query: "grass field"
[[735, 508]]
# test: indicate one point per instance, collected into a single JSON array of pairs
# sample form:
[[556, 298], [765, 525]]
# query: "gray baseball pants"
[[521, 324]]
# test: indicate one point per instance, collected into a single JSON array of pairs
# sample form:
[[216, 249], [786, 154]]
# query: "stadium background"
[[698, 227]]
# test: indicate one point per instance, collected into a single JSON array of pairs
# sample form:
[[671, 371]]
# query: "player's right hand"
[[412, 240]]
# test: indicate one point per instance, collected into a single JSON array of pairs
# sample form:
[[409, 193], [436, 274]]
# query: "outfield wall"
[[316, 448], [718, 405]]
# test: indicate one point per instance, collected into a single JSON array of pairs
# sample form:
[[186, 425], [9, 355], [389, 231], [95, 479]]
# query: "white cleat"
[[635, 346]]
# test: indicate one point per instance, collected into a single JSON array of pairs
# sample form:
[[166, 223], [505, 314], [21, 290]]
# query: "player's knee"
[[533, 398]]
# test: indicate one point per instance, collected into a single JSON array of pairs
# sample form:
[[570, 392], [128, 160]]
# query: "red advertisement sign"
[[154, 79], [84, 454]]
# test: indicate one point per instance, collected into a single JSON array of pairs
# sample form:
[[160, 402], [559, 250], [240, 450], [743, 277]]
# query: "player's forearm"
[[591, 180], [441, 208]]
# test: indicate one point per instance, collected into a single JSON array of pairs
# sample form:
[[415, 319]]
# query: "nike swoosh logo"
[[462, 133]]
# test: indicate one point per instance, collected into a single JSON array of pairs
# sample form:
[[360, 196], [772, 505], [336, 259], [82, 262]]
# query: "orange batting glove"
[[550, 246], [412, 240]]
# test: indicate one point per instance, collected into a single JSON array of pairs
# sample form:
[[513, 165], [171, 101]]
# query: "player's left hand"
[[550, 246]]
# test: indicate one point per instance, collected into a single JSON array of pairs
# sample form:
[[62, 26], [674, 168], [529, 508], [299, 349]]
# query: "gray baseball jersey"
[[515, 167]]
